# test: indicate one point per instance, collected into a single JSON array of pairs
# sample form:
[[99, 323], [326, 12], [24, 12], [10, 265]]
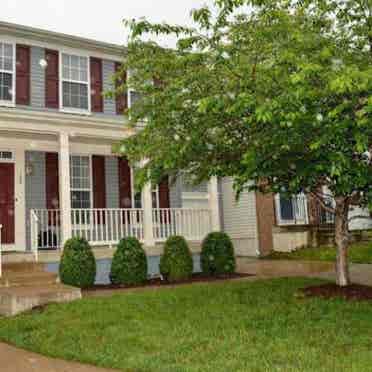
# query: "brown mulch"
[[353, 292], [157, 282]]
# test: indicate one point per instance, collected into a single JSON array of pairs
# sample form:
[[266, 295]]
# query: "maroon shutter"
[[99, 184], [121, 100], [51, 180], [164, 202], [22, 75], [164, 193], [125, 192], [96, 84], [52, 79]]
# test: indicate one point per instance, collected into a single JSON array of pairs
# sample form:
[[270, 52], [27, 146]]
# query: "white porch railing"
[[193, 224], [108, 226]]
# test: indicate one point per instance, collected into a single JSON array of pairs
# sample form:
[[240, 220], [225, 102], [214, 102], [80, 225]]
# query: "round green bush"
[[78, 265], [217, 256], [176, 262], [129, 264]]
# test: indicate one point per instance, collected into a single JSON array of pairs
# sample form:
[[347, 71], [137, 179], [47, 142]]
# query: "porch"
[[63, 185]]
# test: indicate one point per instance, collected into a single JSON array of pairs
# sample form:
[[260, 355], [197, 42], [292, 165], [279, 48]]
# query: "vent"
[[6, 155]]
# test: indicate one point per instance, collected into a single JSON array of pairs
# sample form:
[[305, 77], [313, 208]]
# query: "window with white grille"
[[7, 73], [6, 155], [75, 83]]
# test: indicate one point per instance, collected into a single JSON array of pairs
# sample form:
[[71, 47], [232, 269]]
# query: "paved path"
[[359, 273], [17, 360]]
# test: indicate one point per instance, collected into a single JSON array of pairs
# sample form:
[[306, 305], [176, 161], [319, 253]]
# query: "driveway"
[[17, 360]]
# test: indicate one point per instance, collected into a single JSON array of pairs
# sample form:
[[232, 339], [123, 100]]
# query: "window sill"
[[7, 104], [75, 112]]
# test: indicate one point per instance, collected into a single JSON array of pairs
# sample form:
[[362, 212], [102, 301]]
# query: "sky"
[[96, 19]]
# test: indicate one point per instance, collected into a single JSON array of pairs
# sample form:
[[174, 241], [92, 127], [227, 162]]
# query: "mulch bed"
[[353, 292], [157, 282]]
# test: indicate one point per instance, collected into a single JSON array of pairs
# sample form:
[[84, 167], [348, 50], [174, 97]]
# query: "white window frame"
[[298, 219], [11, 103], [90, 179], [71, 110], [11, 160]]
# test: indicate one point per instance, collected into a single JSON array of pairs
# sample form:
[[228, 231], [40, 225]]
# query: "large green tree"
[[275, 92]]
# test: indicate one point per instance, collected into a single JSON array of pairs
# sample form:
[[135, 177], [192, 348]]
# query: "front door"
[[7, 202]]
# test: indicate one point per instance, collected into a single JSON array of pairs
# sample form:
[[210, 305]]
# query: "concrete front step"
[[15, 300], [23, 267], [27, 278]]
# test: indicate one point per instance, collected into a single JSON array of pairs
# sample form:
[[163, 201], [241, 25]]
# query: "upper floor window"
[[7, 73], [75, 82]]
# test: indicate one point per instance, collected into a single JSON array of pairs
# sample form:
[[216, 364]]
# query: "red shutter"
[[121, 100], [96, 84], [51, 180], [52, 79], [99, 184], [125, 192], [164, 193], [22, 75]]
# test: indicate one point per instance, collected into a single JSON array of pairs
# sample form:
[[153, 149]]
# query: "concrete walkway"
[[359, 273], [17, 360], [282, 268]]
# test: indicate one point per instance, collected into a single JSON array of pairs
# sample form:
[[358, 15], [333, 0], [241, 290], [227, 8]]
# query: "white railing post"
[[214, 204], [148, 224], [64, 187], [34, 221]]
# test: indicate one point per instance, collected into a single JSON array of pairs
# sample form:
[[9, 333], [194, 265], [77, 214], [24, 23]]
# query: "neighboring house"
[[59, 177]]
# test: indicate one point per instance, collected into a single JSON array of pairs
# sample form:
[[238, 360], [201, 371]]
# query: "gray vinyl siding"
[[112, 182], [175, 194], [37, 78], [35, 187], [108, 70], [188, 187]]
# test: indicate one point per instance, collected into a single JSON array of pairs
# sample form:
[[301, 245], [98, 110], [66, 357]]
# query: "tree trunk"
[[342, 241]]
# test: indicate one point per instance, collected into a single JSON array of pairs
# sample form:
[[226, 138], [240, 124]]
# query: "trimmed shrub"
[[78, 265], [176, 263], [129, 264], [217, 256]]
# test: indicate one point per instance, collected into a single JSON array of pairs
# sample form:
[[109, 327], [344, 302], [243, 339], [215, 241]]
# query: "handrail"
[[1, 254], [34, 234]]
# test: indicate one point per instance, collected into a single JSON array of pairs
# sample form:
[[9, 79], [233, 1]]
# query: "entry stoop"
[[26, 285]]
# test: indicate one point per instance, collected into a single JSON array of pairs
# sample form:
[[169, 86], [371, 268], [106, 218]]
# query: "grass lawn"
[[236, 326], [358, 253]]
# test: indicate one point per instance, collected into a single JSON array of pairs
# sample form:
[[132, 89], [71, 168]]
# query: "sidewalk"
[[359, 273], [17, 360]]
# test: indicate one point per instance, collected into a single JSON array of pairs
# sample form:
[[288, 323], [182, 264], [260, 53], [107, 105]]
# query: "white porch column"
[[214, 204], [147, 220], [64, 187]]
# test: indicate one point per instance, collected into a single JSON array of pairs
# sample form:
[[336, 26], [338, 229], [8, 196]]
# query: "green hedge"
[[129, 264], [217, 256], [176, 263], [78, 265]]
